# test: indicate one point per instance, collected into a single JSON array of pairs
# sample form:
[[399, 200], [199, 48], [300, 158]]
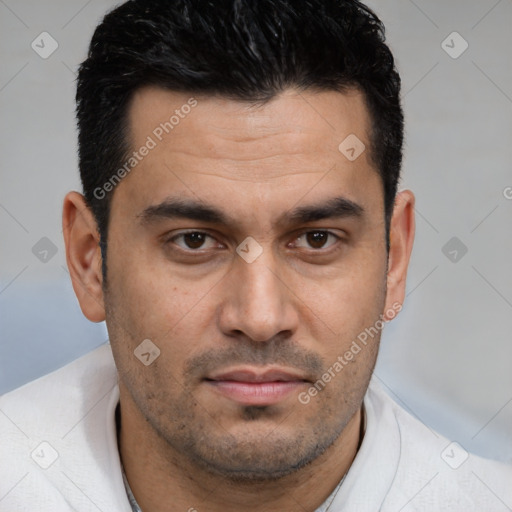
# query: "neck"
[[163, 481]]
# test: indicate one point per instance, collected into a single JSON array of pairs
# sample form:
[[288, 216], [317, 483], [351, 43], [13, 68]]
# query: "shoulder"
[[435, 473], [57, 432], [49, 402]]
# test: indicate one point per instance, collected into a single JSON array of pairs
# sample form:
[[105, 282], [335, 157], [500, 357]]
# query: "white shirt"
[[58, 453]]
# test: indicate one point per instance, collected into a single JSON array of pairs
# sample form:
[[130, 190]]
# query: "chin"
[[257, 455]]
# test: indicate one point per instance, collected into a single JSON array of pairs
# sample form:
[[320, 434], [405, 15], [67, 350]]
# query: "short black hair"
[[248, 50]]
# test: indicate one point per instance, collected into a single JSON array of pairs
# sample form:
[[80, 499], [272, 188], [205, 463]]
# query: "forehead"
[[291, 117], [213, 147]]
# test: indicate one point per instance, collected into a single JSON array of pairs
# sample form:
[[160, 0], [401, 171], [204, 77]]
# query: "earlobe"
[[402, 231], [83, 255]]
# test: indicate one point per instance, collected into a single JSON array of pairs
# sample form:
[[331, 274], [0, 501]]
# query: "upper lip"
[[255, 375]]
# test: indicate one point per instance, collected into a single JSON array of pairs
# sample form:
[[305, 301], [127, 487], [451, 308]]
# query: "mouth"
[[250, 386]]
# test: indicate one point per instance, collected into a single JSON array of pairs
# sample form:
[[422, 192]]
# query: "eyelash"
[[173, 238]]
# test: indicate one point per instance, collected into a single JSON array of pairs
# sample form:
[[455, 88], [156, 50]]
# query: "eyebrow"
[[177, 207]]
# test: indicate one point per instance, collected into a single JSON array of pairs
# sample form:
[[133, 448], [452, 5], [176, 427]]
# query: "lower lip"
[[255, 393]]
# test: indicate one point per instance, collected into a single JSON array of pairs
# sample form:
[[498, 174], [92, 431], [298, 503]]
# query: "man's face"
[[244, 335]]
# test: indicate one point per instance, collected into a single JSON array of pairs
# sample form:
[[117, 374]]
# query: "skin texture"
[[298, 306]]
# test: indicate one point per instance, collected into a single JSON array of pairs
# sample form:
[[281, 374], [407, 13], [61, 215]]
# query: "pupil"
[[317, 238], [194, 240]]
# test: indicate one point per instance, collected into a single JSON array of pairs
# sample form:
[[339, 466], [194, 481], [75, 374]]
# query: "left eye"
[[317, 239], [193, 240]]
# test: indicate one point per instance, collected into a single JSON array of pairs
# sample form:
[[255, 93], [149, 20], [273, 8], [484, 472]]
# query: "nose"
[[257, 301]]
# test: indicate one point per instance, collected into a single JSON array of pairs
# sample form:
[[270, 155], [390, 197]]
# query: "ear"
[[402, 230], [83, 255]]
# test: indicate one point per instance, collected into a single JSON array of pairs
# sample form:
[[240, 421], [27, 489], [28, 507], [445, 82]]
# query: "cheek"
[[350, 300], [152, 299], [173, 314], [346, 311]]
